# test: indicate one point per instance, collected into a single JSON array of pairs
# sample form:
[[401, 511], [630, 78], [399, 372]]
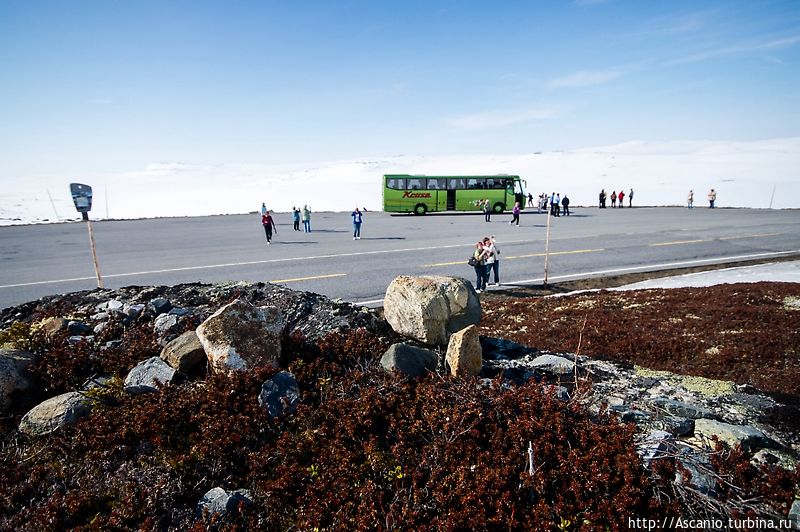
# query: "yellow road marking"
[[296, 279], [515, 257], [678, 242]]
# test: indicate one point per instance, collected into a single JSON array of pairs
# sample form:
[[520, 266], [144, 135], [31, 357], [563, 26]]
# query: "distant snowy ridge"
[[756, 174]]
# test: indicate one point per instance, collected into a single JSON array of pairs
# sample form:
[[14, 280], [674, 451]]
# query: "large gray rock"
[[184, 353], [147, 375], [56, 412], [280, 394], [554, 364], [13, 375], [751, 439], [240, 336], [464, 353], [682, 409], [219, 501], [409, 360], [430, 308]]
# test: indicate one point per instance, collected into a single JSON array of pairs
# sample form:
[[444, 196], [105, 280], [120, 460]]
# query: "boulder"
[[464, 353], [164, 323], [56, 412], [147, 375], [219, 501], [184, 353], [794, 515], [750, 438], [682, 409], [241, 335], [409, 360], [52, 326], [430, 308], [554, 364], [13, 375], [280, 394]]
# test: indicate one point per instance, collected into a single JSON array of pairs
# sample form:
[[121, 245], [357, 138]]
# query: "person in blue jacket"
[[357, 219]]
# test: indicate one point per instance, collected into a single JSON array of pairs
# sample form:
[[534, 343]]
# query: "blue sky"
[[111, 86]]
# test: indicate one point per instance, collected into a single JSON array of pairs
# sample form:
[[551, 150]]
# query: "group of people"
[[616, 197], [712, 199], [486, 259], [304, 216], [486, 207], [298, 215]]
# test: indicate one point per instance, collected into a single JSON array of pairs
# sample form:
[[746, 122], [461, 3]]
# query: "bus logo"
[[409, 194]]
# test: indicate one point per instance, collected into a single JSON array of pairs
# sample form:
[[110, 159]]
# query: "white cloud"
[[586, 78], [502, 117], [773, 44]]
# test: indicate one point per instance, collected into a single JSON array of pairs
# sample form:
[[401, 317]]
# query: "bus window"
[[473, 183], [415, 183], [437, 184], [455, 183], [395, 183]]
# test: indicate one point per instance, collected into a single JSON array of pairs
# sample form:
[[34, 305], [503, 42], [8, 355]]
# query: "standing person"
[[493, 259], [565, 204], [269, 226], [480, 266], [621, 197], [558, 204], [263, 208], [487, 211], [603, 198], [690, 200], [306, 217], [613, 199], [530, 199], [357, 219], [296, 218], [712, 197], [515, 214], [630, 199]]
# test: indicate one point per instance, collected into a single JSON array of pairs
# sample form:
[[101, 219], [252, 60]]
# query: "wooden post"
[[94, 253], [547, 247]]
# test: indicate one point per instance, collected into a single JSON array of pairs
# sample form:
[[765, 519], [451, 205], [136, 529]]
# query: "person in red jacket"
[[269, 226], [621, 196]]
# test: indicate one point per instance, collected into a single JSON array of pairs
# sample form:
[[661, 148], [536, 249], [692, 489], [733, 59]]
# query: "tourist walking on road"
[[621, 196], [493, 259], [515, 214], [487, 210], [530, 199], [357, 219], [296, 218], [712, 197], [269, 226], [565, 205], [263, 208], [306, 217], [479, 256]]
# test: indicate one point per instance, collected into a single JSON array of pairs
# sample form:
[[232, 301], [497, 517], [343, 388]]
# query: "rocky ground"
[[577, 393]]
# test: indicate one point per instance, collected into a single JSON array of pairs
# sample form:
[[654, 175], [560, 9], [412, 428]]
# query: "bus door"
[[436, 186], [451, 200]]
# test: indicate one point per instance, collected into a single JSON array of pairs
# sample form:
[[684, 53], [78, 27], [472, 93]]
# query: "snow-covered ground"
[[779, 271], [758, 174]]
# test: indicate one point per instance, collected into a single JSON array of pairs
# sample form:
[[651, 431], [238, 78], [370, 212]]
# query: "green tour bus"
[[420, 193]]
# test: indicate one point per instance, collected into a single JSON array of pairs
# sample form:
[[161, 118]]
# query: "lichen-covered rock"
[[750, 438], [464, 353], [240, 336], [56, 412], [13, 375], [53, 325], [430, 308], [280, 395], [409, 360], [185, 353], [219, 501], [147, 375]]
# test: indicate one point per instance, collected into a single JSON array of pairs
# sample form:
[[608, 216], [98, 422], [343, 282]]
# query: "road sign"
[[82, 197]]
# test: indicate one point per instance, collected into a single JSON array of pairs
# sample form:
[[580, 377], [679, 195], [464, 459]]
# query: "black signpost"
[[82, 197]]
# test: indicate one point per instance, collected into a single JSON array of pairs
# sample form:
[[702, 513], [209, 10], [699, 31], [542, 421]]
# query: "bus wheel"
[[420, 209], [499, 207]]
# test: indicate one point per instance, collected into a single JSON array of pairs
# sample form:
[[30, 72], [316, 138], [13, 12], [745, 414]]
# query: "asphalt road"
[[40, 260]]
